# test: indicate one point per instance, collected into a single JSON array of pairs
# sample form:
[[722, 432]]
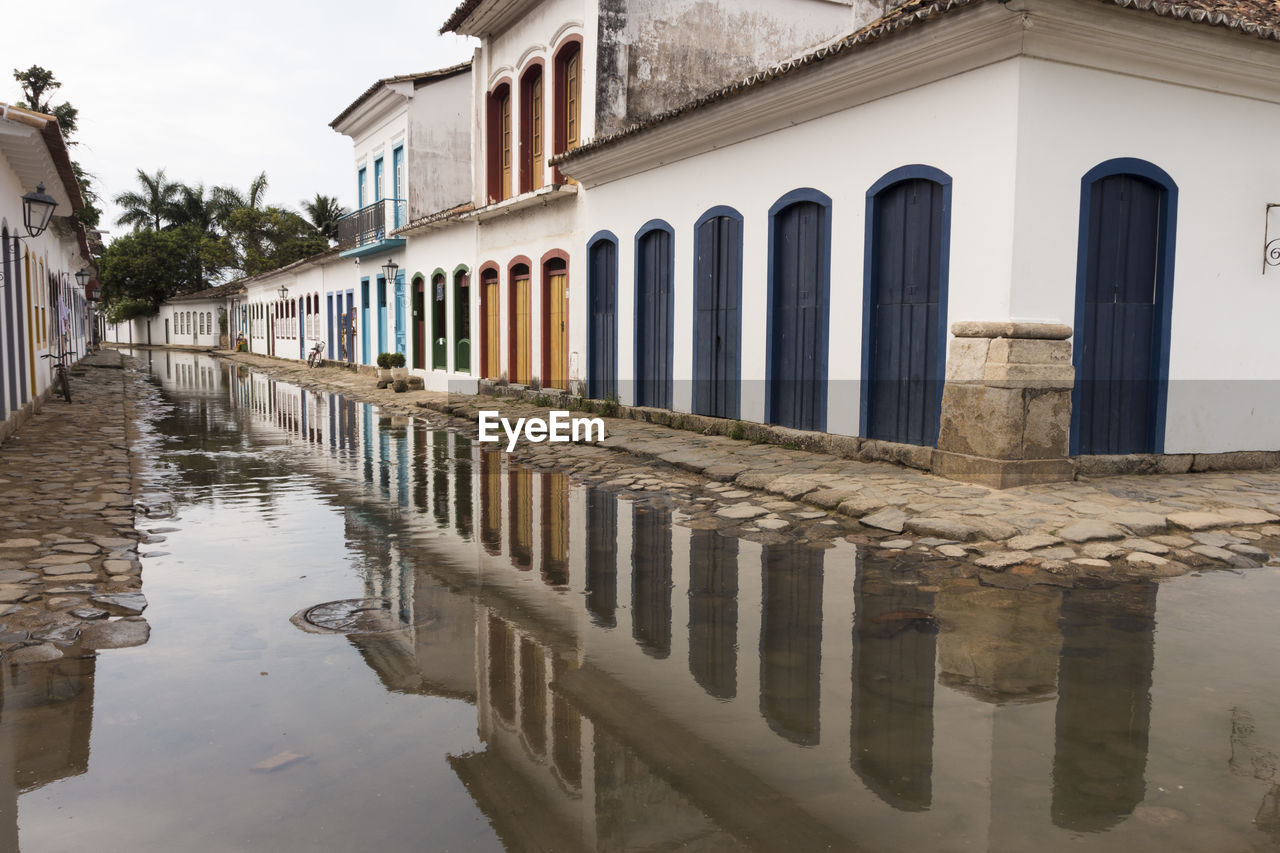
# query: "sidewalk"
[[69, 570], [1137, 525]]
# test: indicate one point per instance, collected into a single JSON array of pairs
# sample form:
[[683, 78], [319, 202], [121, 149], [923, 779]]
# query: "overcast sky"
[[215, 93]]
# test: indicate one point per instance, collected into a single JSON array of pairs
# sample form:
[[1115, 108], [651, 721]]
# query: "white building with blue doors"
[[43, 307], [1058, 168]]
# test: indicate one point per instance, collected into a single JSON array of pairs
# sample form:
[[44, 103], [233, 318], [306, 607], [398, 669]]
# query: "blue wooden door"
[[382, 315], [1117, 375], [654, 308], [717, 317], [798, 318], [602, 338], [364, 323], [907, 335], [401, 327]]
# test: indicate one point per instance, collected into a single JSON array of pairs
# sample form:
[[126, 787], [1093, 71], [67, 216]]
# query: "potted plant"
[[396, 362], [384, 367]]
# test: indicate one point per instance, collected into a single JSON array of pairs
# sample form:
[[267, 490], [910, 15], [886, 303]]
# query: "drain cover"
[[351, 616]]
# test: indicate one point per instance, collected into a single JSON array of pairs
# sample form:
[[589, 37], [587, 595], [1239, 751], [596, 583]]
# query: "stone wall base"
[[1000, 473]]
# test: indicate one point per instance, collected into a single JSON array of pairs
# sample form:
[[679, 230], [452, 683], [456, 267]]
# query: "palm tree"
[[325, 212], [150, 206], [194, 207]]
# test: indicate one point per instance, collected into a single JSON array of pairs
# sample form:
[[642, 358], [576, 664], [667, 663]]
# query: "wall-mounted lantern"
[[37, 210], [389, 270], [284, 292]]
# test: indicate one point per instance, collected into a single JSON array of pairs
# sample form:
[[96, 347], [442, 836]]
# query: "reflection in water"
[[602, 558], [651, 579], [555, 529], [894, 648], [791, 640], [548, 606], [1104, 705], [713, 612], [46, 715]]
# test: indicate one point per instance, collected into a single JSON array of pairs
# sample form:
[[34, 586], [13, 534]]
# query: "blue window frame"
[[377, 179], [360, 183], [397, 183]]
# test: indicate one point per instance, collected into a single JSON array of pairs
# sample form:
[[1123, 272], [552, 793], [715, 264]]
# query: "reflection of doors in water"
[[1104, 705], [519, 334], [439, 337], [533, 697], [555, 529], [907, 333], [491, 501], [791, 641], [717, 317], [419, 324], [566, 733], [602, 557], [502, 668], [1117, 375], [491, 329], [555, 331], [651, 580], [894, 653], [520, 494], [440, 476], [713, 612], [462, 504]]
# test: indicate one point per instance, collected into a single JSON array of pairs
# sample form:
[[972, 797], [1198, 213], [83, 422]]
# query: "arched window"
[[533, 162], [568, 101], [498, 143]]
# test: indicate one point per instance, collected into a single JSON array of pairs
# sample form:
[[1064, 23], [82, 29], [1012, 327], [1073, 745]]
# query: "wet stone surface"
[[66, 486], [1059, 531]]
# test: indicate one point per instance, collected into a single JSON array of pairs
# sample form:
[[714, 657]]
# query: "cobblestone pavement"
[[1127, 526], [70, 577]]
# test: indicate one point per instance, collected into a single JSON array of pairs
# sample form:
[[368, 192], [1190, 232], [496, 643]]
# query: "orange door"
[[520, 356], [558, 330], [492, 325]]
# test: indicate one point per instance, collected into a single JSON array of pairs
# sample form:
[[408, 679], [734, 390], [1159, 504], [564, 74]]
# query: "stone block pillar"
[[1006, 405]]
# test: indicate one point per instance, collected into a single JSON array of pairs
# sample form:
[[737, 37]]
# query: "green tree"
[[324, 213], [140, 270], [152, 205], [272, 237], [38, 84]]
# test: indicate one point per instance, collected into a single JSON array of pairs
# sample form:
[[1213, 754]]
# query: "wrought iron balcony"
[[370, 225]]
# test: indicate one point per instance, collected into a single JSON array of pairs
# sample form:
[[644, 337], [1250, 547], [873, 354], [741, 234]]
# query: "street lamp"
[[284, 292], [82, 277], [37, 210], [389, 270]]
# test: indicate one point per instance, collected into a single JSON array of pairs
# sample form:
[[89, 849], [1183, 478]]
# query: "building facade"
[[43, 309]]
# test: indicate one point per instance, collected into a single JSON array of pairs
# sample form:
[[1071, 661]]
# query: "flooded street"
[[368, 634]]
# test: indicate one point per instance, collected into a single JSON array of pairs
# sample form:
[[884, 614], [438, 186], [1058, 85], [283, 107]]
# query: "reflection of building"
[[894, 639], [46, 715], [791, 641], [1104, 705]]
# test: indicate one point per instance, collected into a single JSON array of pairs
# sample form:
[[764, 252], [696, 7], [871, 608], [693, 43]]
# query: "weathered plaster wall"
[[439, 145], [658, 54]]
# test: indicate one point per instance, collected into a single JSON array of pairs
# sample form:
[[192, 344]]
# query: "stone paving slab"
[[66, 486], [1103, 521]]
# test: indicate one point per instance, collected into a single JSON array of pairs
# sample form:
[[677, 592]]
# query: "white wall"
[[841, 155], [1220, 150]]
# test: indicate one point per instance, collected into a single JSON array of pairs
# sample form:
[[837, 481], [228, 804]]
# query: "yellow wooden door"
[[521, 342], [558, 329], [492, 331]]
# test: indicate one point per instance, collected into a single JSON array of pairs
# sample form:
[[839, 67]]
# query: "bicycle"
[[60, 368], [316, 357]]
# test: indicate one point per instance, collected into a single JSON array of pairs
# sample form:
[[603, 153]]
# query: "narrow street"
[[367, 630]]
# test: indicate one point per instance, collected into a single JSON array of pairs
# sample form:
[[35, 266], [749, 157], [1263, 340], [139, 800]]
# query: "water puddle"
[[366, 633]]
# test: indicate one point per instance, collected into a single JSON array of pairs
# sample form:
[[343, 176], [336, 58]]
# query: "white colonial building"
[[43, 306], [980, 239]]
